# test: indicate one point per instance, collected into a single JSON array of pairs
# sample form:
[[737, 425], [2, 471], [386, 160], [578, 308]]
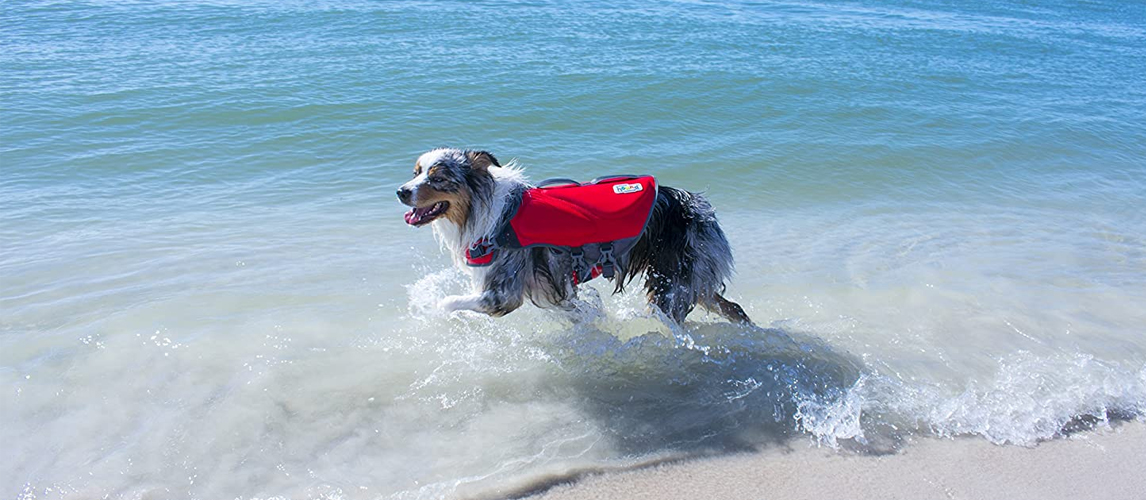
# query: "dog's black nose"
[[404, 195]]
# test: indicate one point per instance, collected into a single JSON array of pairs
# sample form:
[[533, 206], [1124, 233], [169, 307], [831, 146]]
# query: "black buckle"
[[481, 248], [581, 271], [607, 261], [578, 257]]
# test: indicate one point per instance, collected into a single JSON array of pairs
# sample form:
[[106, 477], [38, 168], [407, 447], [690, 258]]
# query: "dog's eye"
[[437, 180]]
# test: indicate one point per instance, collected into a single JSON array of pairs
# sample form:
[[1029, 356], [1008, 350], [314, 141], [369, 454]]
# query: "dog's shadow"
[[732, 389]]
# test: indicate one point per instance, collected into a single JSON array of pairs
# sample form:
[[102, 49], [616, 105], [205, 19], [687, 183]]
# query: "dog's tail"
[[685, 257]]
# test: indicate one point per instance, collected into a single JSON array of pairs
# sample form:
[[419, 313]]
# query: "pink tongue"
[[415, 215]]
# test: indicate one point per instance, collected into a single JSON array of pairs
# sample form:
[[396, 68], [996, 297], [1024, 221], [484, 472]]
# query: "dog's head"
[[445, 183]]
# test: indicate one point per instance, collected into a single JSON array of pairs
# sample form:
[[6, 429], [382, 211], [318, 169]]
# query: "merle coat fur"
[[467, 195]]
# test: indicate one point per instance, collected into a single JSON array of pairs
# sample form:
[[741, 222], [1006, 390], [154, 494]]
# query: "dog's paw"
[[458, 303]]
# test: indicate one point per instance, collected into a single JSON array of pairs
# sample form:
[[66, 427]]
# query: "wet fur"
[[683, 254]]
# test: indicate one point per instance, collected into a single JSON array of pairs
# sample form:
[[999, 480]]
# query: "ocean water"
[[207, 289]]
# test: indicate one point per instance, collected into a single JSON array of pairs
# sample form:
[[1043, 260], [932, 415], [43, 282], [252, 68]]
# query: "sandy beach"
[[1106, 464]]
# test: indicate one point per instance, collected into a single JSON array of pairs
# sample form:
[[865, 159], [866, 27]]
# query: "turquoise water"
[[207, 289]]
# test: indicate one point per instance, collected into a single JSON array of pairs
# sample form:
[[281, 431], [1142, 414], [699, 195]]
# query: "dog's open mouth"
[[419, 216]]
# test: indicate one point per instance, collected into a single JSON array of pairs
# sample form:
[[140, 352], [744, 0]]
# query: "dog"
[[469, 199]]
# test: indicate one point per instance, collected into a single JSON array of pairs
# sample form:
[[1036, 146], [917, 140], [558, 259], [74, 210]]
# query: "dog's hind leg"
[[685, 257], [674, 299], [727, 308]]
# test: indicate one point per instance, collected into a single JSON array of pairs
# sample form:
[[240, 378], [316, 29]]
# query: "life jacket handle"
[[563, 181], [553, 182], [612, 178]]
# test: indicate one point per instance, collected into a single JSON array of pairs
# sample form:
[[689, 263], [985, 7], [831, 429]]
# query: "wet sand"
[[1105, 463]]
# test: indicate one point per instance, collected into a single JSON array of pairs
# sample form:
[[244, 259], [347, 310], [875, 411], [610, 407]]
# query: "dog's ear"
[[481, 160]]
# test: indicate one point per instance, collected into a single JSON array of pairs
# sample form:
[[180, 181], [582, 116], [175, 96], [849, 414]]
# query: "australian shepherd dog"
[[467, 196]]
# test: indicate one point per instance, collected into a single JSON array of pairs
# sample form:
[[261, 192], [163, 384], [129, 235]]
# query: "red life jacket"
[[598, 222]]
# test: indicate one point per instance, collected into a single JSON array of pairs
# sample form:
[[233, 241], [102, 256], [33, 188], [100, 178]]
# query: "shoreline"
[[1102, 463]]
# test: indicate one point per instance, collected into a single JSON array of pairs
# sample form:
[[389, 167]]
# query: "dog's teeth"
[[417, 216]]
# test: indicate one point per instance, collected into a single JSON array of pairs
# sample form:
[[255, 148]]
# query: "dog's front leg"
[[461, 303], [503, 290], [489, 302]]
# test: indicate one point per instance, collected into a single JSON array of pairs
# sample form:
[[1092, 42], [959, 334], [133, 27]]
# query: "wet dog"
[[468, 197]]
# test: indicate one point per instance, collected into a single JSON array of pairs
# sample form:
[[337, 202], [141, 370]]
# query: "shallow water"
[[207, 289]]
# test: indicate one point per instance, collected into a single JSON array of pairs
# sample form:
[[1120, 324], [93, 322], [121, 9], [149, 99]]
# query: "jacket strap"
[[607, 260], [481, 253]]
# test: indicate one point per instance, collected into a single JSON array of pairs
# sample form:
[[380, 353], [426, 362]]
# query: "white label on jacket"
[[627, 188]]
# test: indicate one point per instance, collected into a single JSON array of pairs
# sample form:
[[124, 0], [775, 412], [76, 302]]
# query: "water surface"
[[207, 289]]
